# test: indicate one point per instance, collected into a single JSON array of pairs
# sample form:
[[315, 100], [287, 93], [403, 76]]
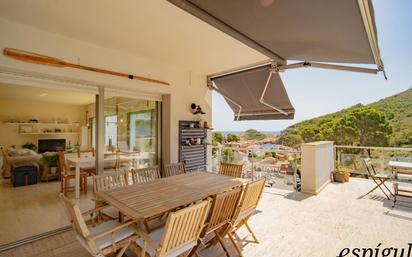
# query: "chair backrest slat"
[[64, 168], [183, 227], [231, 170], [145, 175], [251, 197], [75, 216], [223, 208], [174, 169], [109, 181], [369, 166]]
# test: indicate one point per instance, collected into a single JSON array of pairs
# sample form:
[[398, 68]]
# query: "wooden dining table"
[[142, 201]]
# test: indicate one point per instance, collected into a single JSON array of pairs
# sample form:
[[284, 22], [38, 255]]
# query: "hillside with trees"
[[387, 122]]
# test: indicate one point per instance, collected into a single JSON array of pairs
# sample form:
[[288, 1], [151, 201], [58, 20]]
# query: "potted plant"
[[30, 146], [50, 161], [339, 174], [346, 175]]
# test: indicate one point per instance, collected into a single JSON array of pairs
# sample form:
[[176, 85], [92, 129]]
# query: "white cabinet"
[[317, 165]]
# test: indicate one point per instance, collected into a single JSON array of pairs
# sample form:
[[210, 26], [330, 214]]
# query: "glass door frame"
[[99, 113]]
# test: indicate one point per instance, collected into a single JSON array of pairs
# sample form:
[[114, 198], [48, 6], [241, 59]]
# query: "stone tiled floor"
[[293, 224]]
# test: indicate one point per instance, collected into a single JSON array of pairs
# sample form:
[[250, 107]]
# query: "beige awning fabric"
[[337, 31], [255, 94], [326, 34]]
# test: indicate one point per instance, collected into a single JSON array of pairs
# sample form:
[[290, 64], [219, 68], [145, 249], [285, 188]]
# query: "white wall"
[[185, 86], [24, 110]]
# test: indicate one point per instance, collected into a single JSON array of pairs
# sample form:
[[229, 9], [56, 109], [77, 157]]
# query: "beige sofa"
[[18, 157]]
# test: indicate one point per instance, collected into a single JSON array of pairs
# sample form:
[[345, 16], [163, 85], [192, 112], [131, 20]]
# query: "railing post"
[[253, 166]]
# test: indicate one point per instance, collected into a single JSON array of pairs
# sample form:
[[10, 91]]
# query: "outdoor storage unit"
[[193, 155], [24, 175], [317, 165]]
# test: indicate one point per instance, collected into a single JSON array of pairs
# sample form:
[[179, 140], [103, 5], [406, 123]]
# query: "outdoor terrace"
[[293, 224]]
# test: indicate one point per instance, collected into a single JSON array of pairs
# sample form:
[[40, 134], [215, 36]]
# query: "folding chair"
[[106, 182], [179, 235], [231, 170], [104, 239], [174, 169], [378, 178], [145, 174], [221, 213], [246, 209]]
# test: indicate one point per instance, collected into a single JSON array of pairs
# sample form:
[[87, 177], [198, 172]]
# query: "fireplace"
[[51, 145]]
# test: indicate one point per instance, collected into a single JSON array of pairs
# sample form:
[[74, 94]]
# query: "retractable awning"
[[327, 34], [255, 94], [305, 30]]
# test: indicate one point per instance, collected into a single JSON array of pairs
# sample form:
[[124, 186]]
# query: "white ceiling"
[[152, 28], [28, 93]]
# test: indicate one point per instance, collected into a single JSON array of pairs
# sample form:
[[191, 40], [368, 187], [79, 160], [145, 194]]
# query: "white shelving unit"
[[50, 133], [41, 123], [39, 127]]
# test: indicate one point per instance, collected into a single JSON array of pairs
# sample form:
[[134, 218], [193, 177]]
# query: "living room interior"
[[38, 122]]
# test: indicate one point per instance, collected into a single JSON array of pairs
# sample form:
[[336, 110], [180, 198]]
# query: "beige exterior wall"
[[186, 86], [44, 112]]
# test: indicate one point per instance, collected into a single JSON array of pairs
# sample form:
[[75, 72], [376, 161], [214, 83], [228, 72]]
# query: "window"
[[110, 135]]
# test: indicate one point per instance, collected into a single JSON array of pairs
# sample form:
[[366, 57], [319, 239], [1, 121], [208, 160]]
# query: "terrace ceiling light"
[[315, 33]]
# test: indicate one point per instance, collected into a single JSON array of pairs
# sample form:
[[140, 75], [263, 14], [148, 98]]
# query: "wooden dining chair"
[[67, 175], [246, 209], [221, 212], [378, 178], [231, 170], [145, 174], [89, 152], [109, 181], [131, 163], [174, 169], [106, 182], [103, 239], [178, 236]]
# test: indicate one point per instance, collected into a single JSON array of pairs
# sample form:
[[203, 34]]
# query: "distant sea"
[[274, 133]]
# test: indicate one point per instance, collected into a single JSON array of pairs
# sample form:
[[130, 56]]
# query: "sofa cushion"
[[20, 152]]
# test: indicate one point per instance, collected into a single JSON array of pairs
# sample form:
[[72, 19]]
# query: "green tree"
[[311, 133], [217, 138], [291, 139], [228, 155], [253, 134], [345, 131], [373, 127], [232, 138]]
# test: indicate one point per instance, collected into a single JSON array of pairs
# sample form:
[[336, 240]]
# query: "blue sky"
[[315, 92]]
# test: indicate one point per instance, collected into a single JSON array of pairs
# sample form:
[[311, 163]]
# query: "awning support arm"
[[370, 31], [230, 100], [261, 100], [324, 66]]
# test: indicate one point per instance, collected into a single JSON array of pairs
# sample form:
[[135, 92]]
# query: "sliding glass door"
[[131, 125], [143, 135]]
